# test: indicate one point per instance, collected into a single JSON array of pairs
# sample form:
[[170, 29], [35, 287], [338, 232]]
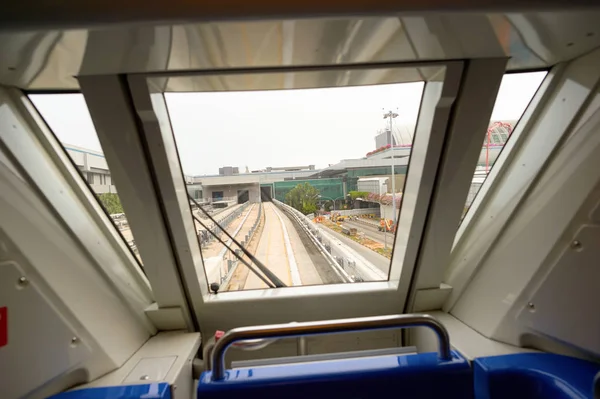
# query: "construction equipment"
[[351, 231], [337, 218], [387, 225]]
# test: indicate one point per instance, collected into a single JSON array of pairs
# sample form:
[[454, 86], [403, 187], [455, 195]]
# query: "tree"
[[358, 194], [111, 203], [303, 197]]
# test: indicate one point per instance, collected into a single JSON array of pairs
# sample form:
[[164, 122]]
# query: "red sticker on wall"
[[3, 326]]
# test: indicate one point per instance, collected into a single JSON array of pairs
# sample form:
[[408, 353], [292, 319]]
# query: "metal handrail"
[[327, 327]]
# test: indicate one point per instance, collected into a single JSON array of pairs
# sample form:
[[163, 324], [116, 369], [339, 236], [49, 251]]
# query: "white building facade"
[[92, 165]]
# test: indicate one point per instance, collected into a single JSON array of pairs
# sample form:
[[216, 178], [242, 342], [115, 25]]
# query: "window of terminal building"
[[76, 132], [217, 195], [515, 94], [268, 161]]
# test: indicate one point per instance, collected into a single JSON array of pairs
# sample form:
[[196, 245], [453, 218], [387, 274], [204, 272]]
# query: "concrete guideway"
[[349, 261], [330, 271], [295, 274], [308, 259], [271, 251], [280, 250]]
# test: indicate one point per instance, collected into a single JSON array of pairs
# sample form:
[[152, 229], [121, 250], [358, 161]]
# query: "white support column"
[[434, 115], [69, 280], [157, 135], [470, 118], [113, 254], [111, 108]]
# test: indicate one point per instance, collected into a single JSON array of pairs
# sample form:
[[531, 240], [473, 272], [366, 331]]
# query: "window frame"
[[61, 185], [485, 218], [527, 118], [88, 176], [141, 112], [504, 139], [523, 201], [470, 117]]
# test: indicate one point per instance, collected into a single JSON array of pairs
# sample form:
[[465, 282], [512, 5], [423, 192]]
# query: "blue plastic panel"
[[407, 376], [533, 375], [158, 390]]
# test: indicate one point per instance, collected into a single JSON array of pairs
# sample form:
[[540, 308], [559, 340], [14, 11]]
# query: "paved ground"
[[272, 251], [127, 234], [372, 232], [305, 256]]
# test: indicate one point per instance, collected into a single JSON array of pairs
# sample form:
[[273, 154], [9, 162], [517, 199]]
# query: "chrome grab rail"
[[327, 327]]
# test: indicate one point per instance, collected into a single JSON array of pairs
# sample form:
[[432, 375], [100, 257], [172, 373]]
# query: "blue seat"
[[157, 390], [407, 376], [533, 375]]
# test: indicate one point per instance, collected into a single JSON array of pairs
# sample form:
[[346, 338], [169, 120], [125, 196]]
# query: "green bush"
[[303, 197], [358, 194], [111, 203]]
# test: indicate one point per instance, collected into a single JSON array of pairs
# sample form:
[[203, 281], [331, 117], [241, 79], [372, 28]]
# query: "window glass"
[[301, 178], [516, 91], [75, 131]]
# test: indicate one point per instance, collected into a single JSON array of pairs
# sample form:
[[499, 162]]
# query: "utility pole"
[[382, 207], [391, 115]]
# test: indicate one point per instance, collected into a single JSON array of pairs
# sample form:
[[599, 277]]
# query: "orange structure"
[[387, 225]]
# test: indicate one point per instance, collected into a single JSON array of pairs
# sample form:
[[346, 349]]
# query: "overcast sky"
[[277, 128]]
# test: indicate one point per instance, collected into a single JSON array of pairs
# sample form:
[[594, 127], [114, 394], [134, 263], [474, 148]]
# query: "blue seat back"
[[533, 375], [407, 376], [156, 390]]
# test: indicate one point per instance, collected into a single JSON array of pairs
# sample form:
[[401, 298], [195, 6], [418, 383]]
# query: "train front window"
[[308, 181]]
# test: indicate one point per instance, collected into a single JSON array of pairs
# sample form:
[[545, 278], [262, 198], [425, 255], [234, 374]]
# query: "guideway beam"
[[270, 275]]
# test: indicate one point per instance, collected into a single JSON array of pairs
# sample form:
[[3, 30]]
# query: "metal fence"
[[360, 211], [233, 262], [204, 237]]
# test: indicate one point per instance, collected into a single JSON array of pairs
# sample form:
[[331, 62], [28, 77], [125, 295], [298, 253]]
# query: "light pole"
[[391, 115], [329, 198], [384, 221]]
